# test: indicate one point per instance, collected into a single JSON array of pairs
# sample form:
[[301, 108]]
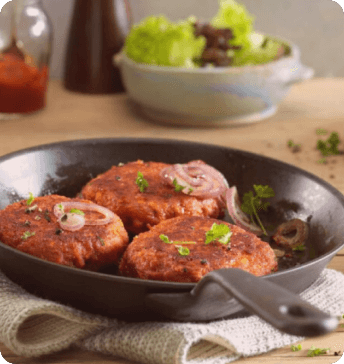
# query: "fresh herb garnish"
[[182, 250], [321, 131], [299, 248], [58, 231], [30, 199], [77, 211], [329, 146], [294, 147], [27, 234], [313, 351], [166, 240], [252, 204], [177, 187], [296, 347], [220, 232], [141, 182]]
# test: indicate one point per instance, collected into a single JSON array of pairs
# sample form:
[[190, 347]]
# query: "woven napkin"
[[31, 326]]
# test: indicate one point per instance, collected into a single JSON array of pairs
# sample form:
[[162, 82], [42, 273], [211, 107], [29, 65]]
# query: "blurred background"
[[316, 26]]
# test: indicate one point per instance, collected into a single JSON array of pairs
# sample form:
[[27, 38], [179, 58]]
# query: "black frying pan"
[[63, 168]]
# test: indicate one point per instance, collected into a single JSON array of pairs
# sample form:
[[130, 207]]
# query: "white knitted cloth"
[[31, 326]]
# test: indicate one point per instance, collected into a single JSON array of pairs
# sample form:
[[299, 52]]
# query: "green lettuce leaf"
[[158, 41]]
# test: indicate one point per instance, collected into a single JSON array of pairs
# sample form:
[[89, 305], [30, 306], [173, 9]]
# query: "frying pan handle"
[[281, 308]]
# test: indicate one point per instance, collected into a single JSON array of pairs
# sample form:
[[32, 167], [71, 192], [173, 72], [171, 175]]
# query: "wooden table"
[[314, 104]]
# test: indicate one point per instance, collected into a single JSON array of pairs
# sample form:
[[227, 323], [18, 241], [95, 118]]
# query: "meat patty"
[[34, 229], [156, 254], [117, 190]]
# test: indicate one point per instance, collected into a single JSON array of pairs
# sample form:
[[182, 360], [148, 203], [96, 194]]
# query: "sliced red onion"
[[71, 221], [198, 178], [238, 216], [296, 226], [59, 211]]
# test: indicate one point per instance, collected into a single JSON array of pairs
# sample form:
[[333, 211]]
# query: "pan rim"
[[129, 140]]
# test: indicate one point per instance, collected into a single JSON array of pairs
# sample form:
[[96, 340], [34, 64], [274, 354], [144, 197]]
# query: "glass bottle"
[[25, 49], [97, 32]]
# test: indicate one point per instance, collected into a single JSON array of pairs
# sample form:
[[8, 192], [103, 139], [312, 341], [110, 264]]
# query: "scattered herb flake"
[[220, 232], [204, 261], [252, 204], [313, 351], [141, 182], [77, 211], [296, 347], [37, 217], [321, 131], [58, 231], [27, 234], [300, 248], [182, 250], [294, 147], [27, 223], [329, 146], [177, 187], [30, 199], [166, 240]]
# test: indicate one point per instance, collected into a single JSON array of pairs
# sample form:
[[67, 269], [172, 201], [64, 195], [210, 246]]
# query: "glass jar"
[[25, 49]]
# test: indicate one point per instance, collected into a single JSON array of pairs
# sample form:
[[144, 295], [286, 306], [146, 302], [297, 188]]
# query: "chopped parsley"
[[299, 248], [178, 187], [321, 131], [141, 182], [296, 347], [46, 215], [313, 351], [254, 203], [294, 147], [27, 234], [30, 199], [77, 211], [166, 240], [329, 146], [182, 250], [220, 232]]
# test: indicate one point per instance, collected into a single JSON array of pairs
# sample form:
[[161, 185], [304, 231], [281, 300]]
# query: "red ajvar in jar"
[[22, 85]]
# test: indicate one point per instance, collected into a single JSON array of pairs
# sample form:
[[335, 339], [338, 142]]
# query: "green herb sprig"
[[77, 211], [313, 351], [178, 244], [220, 232], [141, 182], [329, 146], [30, 199], [296, 347], [27, 234], [253, 203]]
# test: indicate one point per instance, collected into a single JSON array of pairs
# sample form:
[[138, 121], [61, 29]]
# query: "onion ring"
[[295, 225], [197, 178], [72, 217], [237, 215]]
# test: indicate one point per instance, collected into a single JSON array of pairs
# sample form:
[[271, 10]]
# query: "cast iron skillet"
[[63, 168]]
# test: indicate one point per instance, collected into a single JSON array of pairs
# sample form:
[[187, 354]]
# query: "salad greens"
[[158, 41]]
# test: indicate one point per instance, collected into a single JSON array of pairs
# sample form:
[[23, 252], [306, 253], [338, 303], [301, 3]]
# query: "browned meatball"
[[150, 256], [117, 190], [35, 230]]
